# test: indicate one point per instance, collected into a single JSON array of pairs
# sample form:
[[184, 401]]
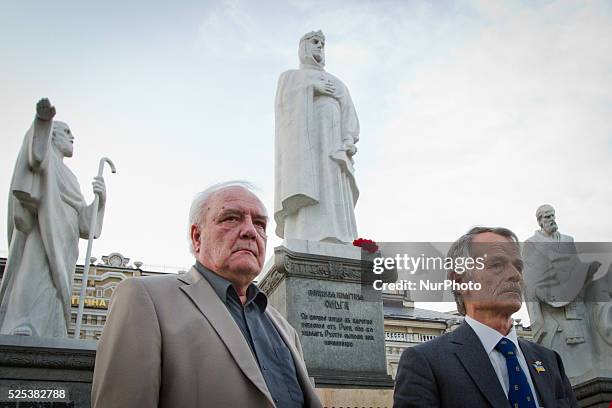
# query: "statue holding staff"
[[47, 214]]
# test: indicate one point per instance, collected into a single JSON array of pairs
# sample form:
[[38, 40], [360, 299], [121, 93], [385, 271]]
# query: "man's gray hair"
[[197, 211], [461, 248]]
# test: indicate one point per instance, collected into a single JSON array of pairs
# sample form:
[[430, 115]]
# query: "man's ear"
[[459, 278], [454, 276], [196, 238]]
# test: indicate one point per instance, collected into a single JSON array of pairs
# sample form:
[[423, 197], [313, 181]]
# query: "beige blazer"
[[170, 342]]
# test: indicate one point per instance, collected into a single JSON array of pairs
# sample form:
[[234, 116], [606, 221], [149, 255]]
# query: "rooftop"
[[415, 313]]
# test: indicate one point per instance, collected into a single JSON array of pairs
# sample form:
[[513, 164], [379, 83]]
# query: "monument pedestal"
[[317, 287], [37, 363], [594, 389]]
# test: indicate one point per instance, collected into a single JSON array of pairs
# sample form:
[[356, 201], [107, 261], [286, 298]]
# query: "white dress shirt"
[[489, 338]]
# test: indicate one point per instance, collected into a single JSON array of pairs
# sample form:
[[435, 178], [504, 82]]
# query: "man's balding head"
[[228, 231]]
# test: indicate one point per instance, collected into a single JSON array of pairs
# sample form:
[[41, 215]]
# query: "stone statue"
[[558, 286], [46, 216], [316, 132]]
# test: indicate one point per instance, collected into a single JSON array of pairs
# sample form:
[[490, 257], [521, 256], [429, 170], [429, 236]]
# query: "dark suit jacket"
[[455, 371]]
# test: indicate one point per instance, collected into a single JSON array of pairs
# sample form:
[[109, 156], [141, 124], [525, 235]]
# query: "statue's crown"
[[312, 34]]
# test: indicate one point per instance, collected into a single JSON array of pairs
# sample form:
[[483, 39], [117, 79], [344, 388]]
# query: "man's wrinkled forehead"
[[491, 243], [238, 198]]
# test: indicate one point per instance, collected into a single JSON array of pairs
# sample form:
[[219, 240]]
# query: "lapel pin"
[[539, 367]]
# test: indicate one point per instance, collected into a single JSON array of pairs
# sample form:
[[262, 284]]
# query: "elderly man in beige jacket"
[[207, 338]]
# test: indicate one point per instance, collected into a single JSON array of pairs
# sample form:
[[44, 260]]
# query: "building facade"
[[103, 278]]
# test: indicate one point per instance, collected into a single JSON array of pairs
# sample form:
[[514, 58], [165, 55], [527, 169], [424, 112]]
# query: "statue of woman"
[[316, 132]]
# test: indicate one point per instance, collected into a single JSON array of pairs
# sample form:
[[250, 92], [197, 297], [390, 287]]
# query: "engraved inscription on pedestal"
[[338, 329], [342, 333]]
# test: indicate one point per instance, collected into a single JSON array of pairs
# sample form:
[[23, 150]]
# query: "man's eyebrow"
[[225, 211], [261, 217], [497, 258], [238, 211]]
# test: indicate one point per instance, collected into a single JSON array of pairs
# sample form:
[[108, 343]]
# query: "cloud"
[[513, 116], [471, 113], [233, 29]]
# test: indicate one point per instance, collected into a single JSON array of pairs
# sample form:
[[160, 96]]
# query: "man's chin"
[[511, 296], [510, 305], [245, 268], [503, 304]]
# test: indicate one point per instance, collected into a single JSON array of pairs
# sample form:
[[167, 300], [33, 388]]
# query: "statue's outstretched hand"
[[44, 109], [99, 188]]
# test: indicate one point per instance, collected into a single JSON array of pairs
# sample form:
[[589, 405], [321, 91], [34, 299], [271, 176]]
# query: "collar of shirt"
[[488, 336], [224, 288]]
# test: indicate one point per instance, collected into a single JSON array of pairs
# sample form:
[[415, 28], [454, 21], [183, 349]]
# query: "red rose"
[[366, 245]]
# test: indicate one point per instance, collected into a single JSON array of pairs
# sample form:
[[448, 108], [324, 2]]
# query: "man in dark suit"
[[483, 363]]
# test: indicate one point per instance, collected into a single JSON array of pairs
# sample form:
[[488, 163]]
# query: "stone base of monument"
[[356, 397], [53, 372], [317, 287], [594, 393]]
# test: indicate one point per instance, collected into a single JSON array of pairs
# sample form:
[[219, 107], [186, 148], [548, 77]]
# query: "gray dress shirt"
[[270, 351]]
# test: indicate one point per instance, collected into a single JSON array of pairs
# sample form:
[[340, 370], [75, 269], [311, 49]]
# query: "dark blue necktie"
[[519, 392]]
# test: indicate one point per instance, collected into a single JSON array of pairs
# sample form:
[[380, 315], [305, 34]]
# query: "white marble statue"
[[316, 132], [46, 216], [558, 285]]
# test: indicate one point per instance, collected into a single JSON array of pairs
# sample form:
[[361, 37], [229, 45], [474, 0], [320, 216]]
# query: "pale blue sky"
[[472, 112]]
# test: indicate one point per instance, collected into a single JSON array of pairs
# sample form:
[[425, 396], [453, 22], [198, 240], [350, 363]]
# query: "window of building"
[[427, 337]]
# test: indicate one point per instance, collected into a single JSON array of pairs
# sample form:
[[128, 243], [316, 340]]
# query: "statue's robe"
[[555, 281], [315, 188], [46, 216]]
